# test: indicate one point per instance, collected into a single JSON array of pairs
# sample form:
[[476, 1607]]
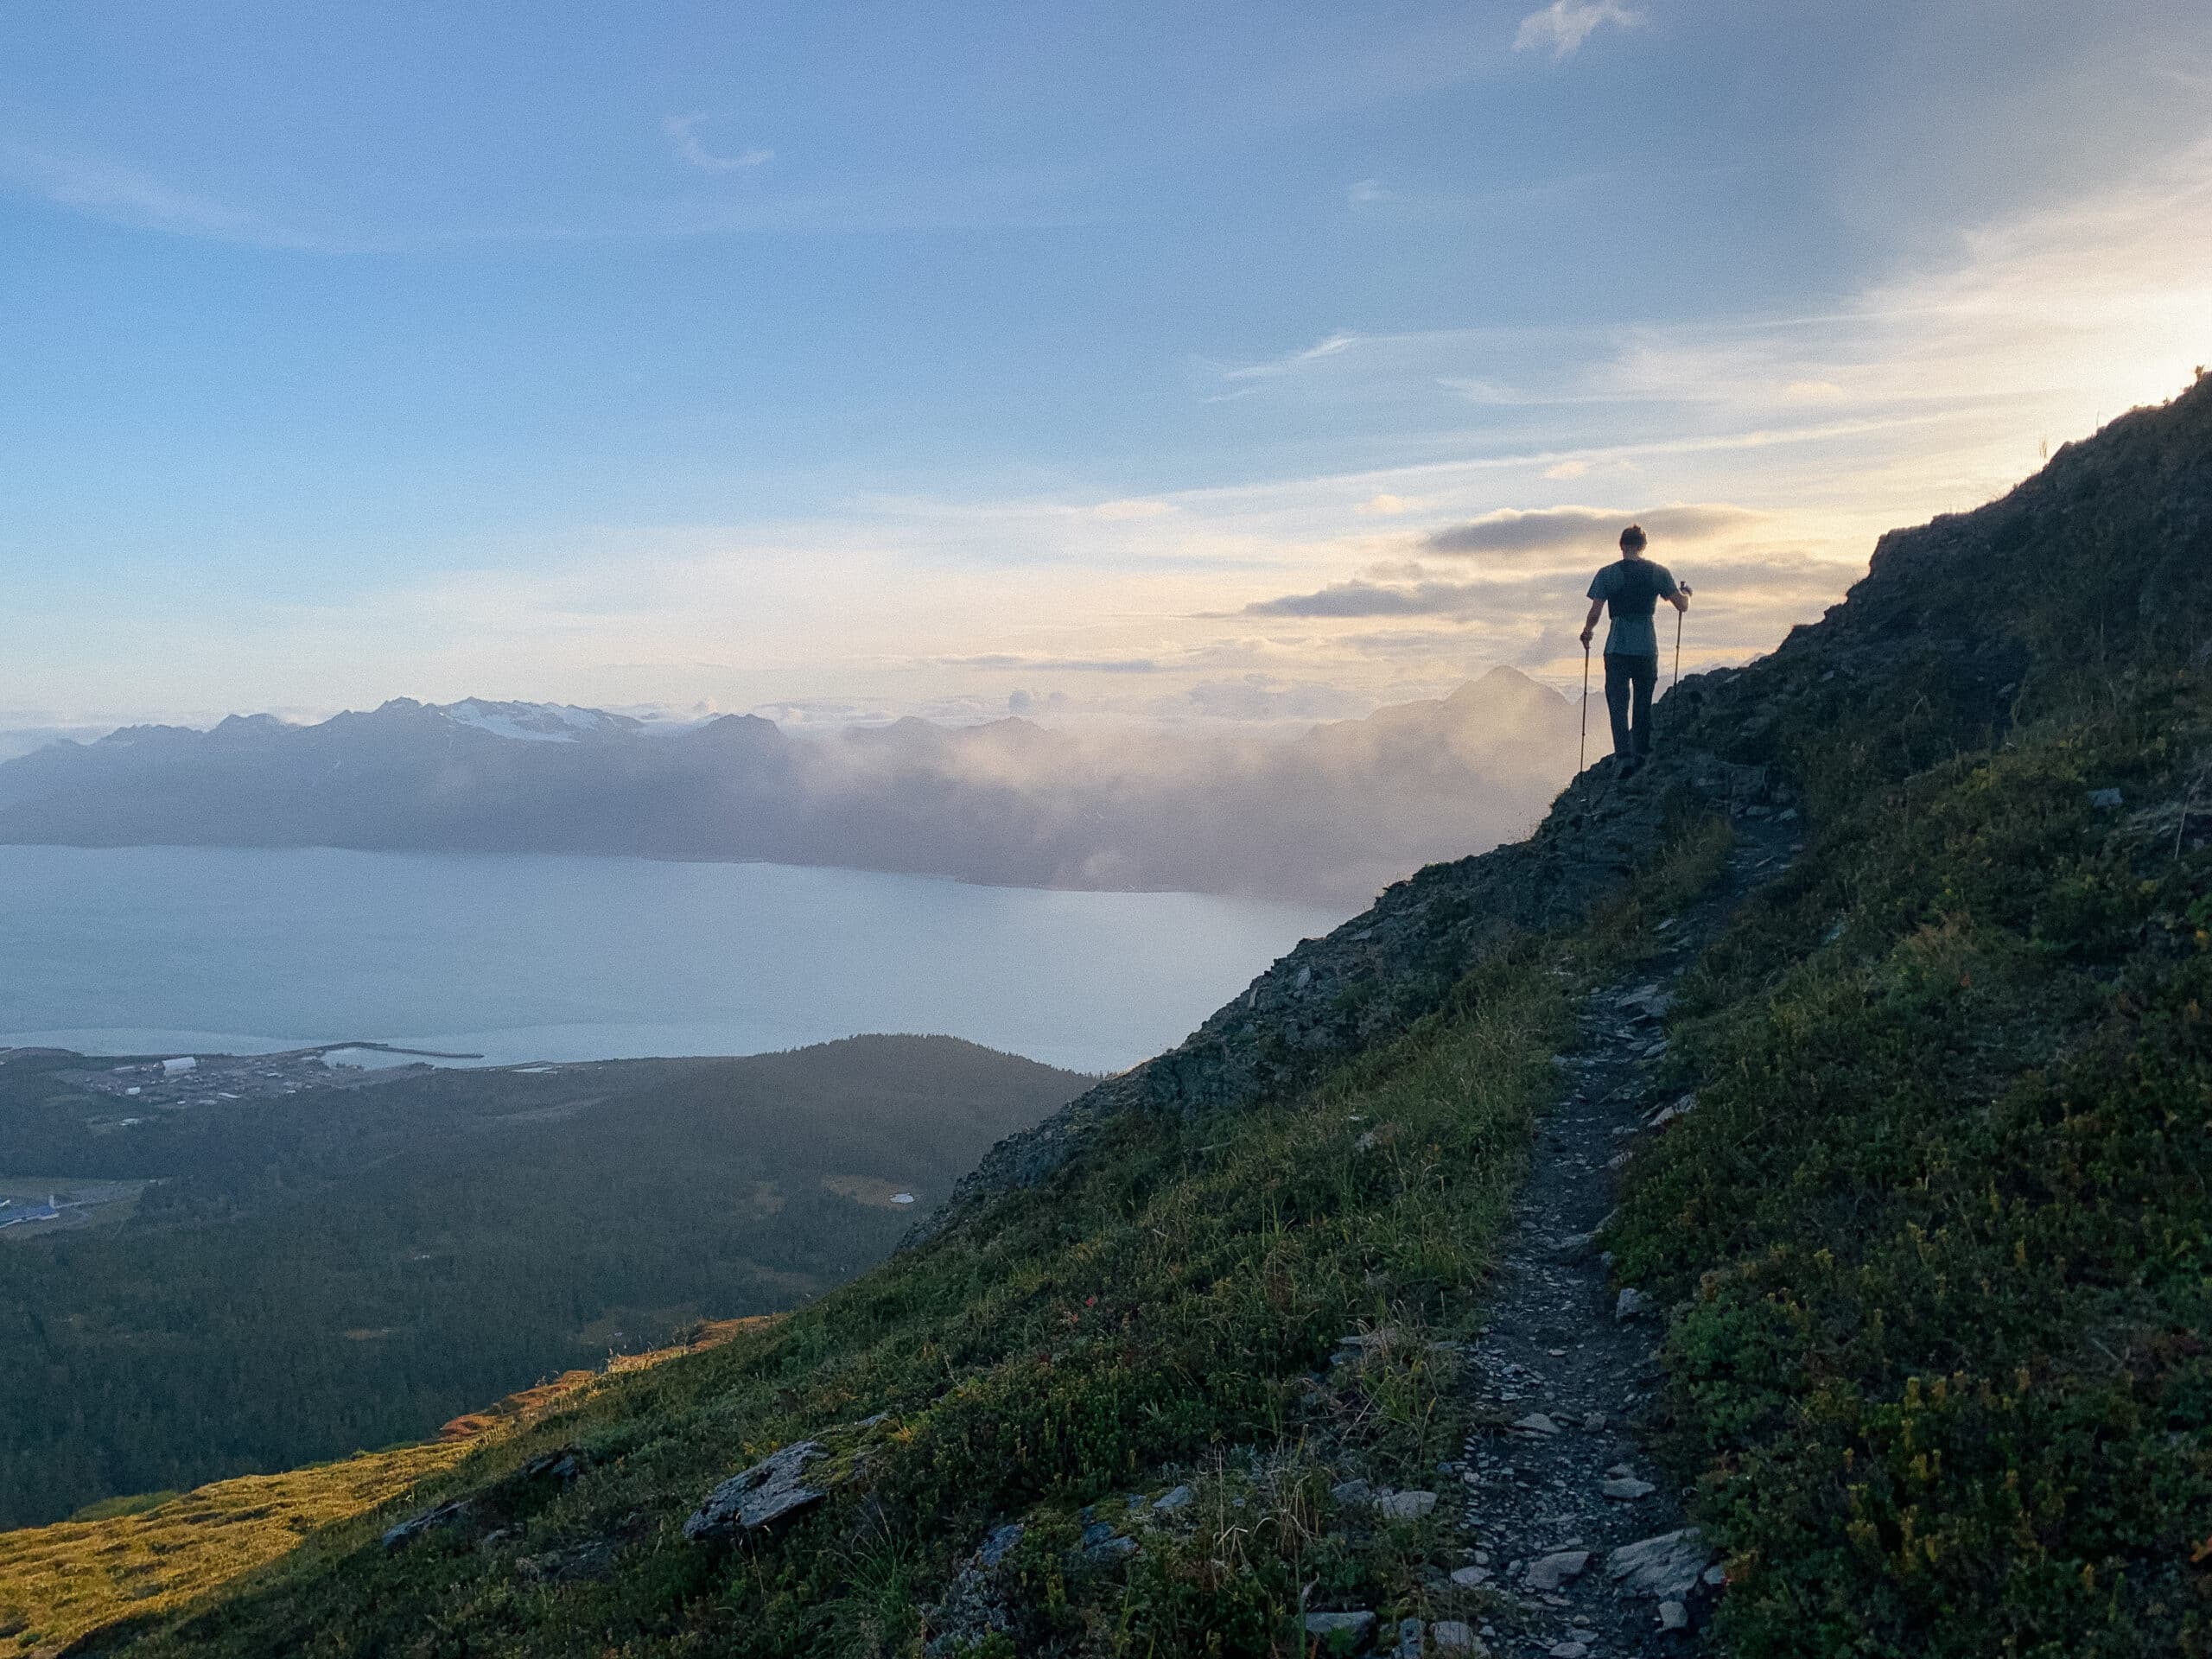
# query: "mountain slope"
[[1930, 1245]]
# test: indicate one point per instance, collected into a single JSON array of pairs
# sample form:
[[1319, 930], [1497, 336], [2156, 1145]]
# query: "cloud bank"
[[1589, 529]]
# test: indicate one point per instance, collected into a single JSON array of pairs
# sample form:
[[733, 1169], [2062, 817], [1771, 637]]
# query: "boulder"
[[1404, 1506], [1339, 1632], [769, 1491], [451, 1514], [1561, 1567], [1665, 1569], [1456, 1635]]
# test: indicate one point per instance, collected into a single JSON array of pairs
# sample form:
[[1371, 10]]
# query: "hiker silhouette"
[[1631, 589]]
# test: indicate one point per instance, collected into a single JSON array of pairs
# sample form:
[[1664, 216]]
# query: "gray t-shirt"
[[1632, 589]]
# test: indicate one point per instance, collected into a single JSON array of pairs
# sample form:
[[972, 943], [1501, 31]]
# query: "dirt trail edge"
[[1583, 1544]]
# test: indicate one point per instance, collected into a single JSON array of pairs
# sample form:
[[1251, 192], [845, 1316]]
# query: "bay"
[[247, 950]]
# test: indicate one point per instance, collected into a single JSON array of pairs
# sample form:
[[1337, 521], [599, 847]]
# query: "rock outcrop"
[[771, 1488]]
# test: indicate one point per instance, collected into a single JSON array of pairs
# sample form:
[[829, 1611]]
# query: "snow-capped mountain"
[[537, 722]]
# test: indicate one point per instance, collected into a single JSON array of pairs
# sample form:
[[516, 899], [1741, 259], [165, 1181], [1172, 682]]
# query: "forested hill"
[[1924, 1221], [272, 1278]]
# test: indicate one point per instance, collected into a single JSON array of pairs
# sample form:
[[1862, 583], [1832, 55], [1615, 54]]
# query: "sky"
[[1161, 362]]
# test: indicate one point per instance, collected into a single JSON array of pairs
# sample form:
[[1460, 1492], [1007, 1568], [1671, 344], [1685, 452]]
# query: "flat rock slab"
[[1405, 1506], [446, 1514], [1340, 1632], [1665, 1569], [1561, 1567], [769, 1491]]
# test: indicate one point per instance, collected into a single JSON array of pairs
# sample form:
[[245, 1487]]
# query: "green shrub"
[[1939, 1231]]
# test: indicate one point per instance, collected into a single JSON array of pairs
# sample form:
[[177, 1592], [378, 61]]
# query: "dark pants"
[[1628, 680]]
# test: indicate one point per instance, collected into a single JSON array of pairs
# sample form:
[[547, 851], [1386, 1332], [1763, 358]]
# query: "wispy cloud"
[[1361, 598], [1752, 587], [1565, 24], [682, 131], [1041, 665], [1335, 345], [1557, 530], [127, 195]]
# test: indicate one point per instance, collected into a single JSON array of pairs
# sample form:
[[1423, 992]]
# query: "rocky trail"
[[1575, 1532]]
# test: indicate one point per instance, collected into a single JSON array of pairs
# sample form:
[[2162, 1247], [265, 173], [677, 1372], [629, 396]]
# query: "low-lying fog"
[[1329, 816]]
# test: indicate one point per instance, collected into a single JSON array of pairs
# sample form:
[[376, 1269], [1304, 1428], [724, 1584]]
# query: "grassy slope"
[[1941, 1222], [59, 1582], [132, 1559], [1164, 1312]]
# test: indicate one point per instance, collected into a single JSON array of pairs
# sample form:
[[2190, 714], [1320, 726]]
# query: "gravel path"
[[1554, 1482]]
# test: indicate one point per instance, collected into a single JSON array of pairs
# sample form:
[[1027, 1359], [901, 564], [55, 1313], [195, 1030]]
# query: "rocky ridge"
[[1332, 997], [1940, 639]]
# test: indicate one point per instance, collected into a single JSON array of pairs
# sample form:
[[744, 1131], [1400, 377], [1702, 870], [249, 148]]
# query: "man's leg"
[[1617, 698], [1644, 673]]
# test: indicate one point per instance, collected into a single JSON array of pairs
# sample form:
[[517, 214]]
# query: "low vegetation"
[[1940, 1228]]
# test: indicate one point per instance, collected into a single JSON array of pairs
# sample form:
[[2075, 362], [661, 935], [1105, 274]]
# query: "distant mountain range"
[[1331, 815]]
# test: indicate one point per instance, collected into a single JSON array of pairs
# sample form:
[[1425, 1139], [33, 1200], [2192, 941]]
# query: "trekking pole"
[[1582, 755], [1677, 680]]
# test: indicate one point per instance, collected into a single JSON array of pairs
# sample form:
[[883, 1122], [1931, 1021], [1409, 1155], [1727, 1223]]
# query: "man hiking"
[[1632, 589]]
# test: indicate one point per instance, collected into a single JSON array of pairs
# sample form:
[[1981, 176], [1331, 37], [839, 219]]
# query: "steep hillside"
[[1919, 1200]]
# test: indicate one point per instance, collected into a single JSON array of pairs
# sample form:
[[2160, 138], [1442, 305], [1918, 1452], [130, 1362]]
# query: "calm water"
[[139, 950]]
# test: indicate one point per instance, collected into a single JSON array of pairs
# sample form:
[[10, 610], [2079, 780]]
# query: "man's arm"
[[1680, 599], [1590, 622]]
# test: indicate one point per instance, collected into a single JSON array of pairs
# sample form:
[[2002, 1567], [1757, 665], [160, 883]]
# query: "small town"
[[189, 1080], [25, 1212]]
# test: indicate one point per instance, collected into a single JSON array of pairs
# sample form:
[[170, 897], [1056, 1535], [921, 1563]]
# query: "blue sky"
[[863, 359]]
